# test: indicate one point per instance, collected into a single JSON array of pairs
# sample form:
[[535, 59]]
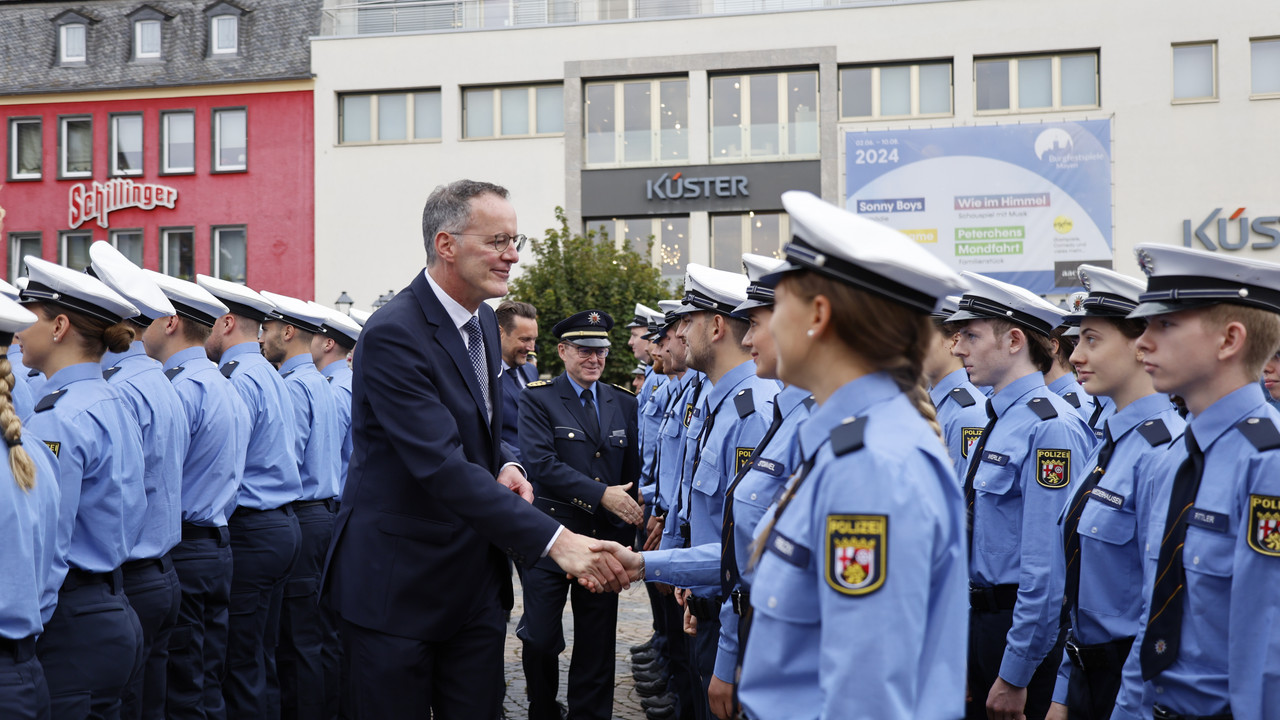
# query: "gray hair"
[[448, 209]]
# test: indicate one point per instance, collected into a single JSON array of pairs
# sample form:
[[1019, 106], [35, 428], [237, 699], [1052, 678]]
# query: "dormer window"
[[146, 39], [71, 43], [224, 31]]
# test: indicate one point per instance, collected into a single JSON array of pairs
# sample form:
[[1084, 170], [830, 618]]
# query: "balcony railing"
[[376, 17]]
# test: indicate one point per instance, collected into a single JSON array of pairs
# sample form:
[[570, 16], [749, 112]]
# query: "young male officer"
[[1208, 642], [329, 350], [961, 406], [1015, 487], [578, 438]]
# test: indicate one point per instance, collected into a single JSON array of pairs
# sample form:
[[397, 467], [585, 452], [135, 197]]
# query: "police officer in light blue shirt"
[[1017, 482], [150, 581], [1103, 522], [22, 399], [857, 600], [92, 643], [1208, 641], [286, 340], [217, 424], [329, 350], [676, 460], [29, 500], [264, 527], [961, 406]]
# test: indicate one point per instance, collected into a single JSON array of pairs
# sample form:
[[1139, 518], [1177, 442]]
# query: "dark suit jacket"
[[570, 467], [418, 543], [511, 390]]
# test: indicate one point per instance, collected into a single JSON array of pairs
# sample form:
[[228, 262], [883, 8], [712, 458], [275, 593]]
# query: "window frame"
[[15, 261], [63, 173], [164, 142], [876, 68], [410, 116], [63, 58], [138, 53], [1253, 41], [496, 95], [215, 244], [1173, 98], [744, 113], [113, 144], [1055, 80], [745, 230], [113, 236], [63, 237], [13, 174], [215, 132], [656, 158], [164, 249], [215, 35]]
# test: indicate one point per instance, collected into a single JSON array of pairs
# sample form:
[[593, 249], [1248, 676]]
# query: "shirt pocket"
[[1110, 559], [706, 479], [786, 592], [997, 509], [569, 434], [1208, 558]]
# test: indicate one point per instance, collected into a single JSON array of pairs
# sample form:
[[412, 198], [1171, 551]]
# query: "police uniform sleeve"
[[70, 456], [1253, 642], [302, 419]]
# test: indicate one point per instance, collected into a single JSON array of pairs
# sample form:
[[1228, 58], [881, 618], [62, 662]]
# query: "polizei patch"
[[968, 437], [1264, 524], [857, 553], [1053, 468]]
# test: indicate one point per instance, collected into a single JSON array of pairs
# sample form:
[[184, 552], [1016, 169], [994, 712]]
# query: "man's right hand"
[[592, 561], [655, 532], [617, 501]]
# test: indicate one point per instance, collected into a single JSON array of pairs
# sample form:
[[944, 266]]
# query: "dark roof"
[[274, 42]]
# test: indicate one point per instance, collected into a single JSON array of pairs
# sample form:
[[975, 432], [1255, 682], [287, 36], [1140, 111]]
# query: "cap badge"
[[594, 318], [1146, 262]]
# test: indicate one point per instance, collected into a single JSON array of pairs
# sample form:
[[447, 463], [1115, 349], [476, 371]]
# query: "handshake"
[[598, 565]]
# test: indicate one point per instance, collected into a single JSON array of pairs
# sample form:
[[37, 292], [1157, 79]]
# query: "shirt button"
[[1195, 560], [597, 454], [773, 602], [1094, 530], [984, 483], [753, 496], [1159, 690], [699, 483], [657, 573]]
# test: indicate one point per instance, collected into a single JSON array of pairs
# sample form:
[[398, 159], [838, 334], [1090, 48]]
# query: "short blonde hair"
[[1261, 327]]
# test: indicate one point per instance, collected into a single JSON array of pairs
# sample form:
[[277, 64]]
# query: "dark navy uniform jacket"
[[418, 543], [511, 389], [569, 466]]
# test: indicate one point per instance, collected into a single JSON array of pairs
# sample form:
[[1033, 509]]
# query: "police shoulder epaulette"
[[626, 390], [50, 400], [1155, 432], [847, 436], [229, 368], [174, 372], [1261, 432], [809, 402], [1043, 408], [106, 374], [1072, 398], [33, 372], [287, 374], [538, 383], [743, 402], [964, 397]]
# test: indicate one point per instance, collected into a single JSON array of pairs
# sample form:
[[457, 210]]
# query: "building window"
[[75, 147], [26, 150], [1265, 62], [177, 142], [1036, 83], [670, 250], [178, 253], [20, 246], [638, 122], [764, 116], [146, 39], [74, 249], [230, 254], [761, 233], [129, 243], [389, 117], [126, 144], [224, 34], [71, 43], [230, 140], [1195, 71], [891, 91], [513, 111]]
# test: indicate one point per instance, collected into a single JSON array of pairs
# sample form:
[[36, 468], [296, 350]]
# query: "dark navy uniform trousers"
[[198, 643], [152, 589], [24, 695], [306, 657]]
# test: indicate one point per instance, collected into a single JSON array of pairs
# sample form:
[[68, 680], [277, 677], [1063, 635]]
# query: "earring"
[[809, 332]]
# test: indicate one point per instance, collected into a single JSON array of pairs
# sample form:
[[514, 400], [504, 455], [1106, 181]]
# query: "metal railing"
[[376, 17]]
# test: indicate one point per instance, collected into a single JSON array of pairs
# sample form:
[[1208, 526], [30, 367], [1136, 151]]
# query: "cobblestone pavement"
[[635, 625]]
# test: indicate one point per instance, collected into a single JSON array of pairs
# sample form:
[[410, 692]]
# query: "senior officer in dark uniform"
[[578, 443]]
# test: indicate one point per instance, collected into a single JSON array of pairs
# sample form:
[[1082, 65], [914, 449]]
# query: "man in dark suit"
[[416, 569], [518, 326], [579, 443]]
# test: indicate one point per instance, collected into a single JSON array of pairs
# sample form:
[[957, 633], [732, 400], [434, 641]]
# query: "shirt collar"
[[110, 359], [789, 397], [1015, 391], [334, 367], [1136, 412], [850, 401], [458, 314], [953, 380], [577, 389], [1223, 415], [244, 348], [731, 380], [73, 373], [184, 356], [1064, 384], [297, 362]]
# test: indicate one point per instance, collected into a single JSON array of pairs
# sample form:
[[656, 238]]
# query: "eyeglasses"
[[500, 241], [586, 352]]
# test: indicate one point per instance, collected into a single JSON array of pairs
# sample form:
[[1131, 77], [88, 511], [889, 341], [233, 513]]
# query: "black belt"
[[286, 509], [1103, 658], [162, 564], [330, 504], [993, 599], [1163, 713], [20, 650], [201, 532], [703, 608], [77, 578], [741, 601]]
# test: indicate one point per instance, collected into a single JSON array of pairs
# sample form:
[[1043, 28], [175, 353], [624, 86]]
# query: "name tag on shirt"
[[788, 550], [995, 458], [1108, 497], [1207, 519], [769, 467], [1099, 434]]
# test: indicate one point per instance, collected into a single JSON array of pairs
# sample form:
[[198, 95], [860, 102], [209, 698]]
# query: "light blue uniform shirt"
[[340, 375], [961, 426], [1022, 483], [218, 427], [652, 415], [28, 533], [150, 397], [860, 601], [98, 447], [1230, 642], [1069, 389], [317, 442], [691, 410], [270, 477], [1113, 520], [23, 401]]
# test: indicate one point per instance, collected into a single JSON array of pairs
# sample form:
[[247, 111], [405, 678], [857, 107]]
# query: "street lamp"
[[343, 303]]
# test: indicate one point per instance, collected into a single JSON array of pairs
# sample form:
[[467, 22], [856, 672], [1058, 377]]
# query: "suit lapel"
[[608, 414], [448, 337]]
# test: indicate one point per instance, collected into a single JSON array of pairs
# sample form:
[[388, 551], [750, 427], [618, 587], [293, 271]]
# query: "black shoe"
[[655, 665], [651, 689], [646, 645], [650, 675], [647, 656], [666, 700], [661, 713]]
